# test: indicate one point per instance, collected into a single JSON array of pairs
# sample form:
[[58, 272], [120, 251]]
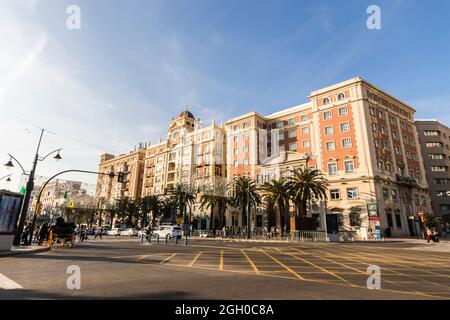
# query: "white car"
[[168, 231], [115, 232], [129, 232]]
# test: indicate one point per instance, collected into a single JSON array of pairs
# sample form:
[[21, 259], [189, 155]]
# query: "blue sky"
[[135, 64]]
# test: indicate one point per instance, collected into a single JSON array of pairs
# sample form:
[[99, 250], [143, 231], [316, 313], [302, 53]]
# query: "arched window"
[[341, 96], [235, 128], [326, 101], [245, 125]]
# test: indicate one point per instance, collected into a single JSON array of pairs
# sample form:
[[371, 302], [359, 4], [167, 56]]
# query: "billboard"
[[10, 204]]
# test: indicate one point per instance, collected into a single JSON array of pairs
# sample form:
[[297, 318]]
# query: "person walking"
[[99, 233], [429, 235], [43, 233]]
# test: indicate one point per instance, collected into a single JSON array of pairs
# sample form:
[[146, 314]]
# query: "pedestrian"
[[43, 233], [224, 232], [429, 235], [435, 236], [99, 233]]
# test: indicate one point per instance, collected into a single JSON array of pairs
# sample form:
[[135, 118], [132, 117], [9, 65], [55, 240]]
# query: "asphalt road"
[[209, 269]]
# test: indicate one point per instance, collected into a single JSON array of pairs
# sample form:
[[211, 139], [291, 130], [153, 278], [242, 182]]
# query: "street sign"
[[72, 204], [372, 210]]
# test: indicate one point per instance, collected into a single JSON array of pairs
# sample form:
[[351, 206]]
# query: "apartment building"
[[434, 139], [132, 165], [363, 140]]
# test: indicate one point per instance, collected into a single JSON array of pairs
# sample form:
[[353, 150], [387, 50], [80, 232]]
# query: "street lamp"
[[30, 184]]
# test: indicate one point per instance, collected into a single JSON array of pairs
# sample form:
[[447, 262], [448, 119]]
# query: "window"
[[394, 195], [392, 119], [245, 162], [235, 128], [292, 133], [236, 163], [304, 117], [372, 111], [397, 150], [385, 194], [245, 136], [345, 126], [374, 126], [389, 220], [293, 146], [292, 121], [335, 194], [380, 115], [305, 131], [385, 145], [439, 168], [346, 143], [245, 125], [355, 219], [383, 129], [398, 221], [281, 135], [329, 130], [343, 111], [434, 144], [332, 168], [236, 139], [395, 135], [306, 144], [436, 156], [352, 193], [377, 143], [326, 101], [341, 96], [331, 146], [349, 166], [280, 124], [327, 115], [432, 133], [236, 151], [381, 165], [245, 149]]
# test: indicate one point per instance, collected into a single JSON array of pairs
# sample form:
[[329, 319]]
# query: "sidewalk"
[[23, 250]]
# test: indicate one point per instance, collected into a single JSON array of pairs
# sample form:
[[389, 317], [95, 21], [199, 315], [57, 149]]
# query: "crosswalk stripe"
[[7, 284]]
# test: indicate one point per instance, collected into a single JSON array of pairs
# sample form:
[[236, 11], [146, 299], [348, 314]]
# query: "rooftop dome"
[[186, 112]]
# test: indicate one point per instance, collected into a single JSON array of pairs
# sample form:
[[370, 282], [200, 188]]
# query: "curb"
[[16, 252]]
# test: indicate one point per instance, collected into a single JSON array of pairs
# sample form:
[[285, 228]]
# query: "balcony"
[[405, 181]]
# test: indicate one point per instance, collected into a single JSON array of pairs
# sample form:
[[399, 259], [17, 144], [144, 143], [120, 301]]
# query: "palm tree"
[[305, 185], [149, 204], [128, 209], [183, 197], [246, 197], [276, 192], [168, 208]]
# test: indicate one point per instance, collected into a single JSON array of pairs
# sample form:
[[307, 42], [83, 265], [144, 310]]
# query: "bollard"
[[149, 237], [142, 237], [175, 240], [166, 240], [157, 238], [186, 240]]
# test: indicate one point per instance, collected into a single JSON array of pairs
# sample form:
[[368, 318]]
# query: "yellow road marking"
[[283, 265], [195, 259], [168, 258], [221, 260], [251, 262], [316, 266]]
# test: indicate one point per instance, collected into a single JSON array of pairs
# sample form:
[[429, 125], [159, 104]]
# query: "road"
[[216, 269]]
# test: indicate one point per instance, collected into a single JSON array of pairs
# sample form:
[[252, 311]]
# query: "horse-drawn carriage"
[[63, 233]]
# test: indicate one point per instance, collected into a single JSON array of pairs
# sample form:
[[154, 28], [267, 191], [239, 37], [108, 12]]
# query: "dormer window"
[[326, 101]]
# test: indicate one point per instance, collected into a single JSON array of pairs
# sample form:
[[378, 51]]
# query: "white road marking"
[[7, 284]]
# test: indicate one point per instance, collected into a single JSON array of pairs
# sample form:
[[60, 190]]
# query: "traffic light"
[[120, 177]]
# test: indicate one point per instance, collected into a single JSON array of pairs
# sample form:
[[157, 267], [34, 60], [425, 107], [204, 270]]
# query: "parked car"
[[129, 232], [105, 231], [143, 231], [115, 232], [168, 231]]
